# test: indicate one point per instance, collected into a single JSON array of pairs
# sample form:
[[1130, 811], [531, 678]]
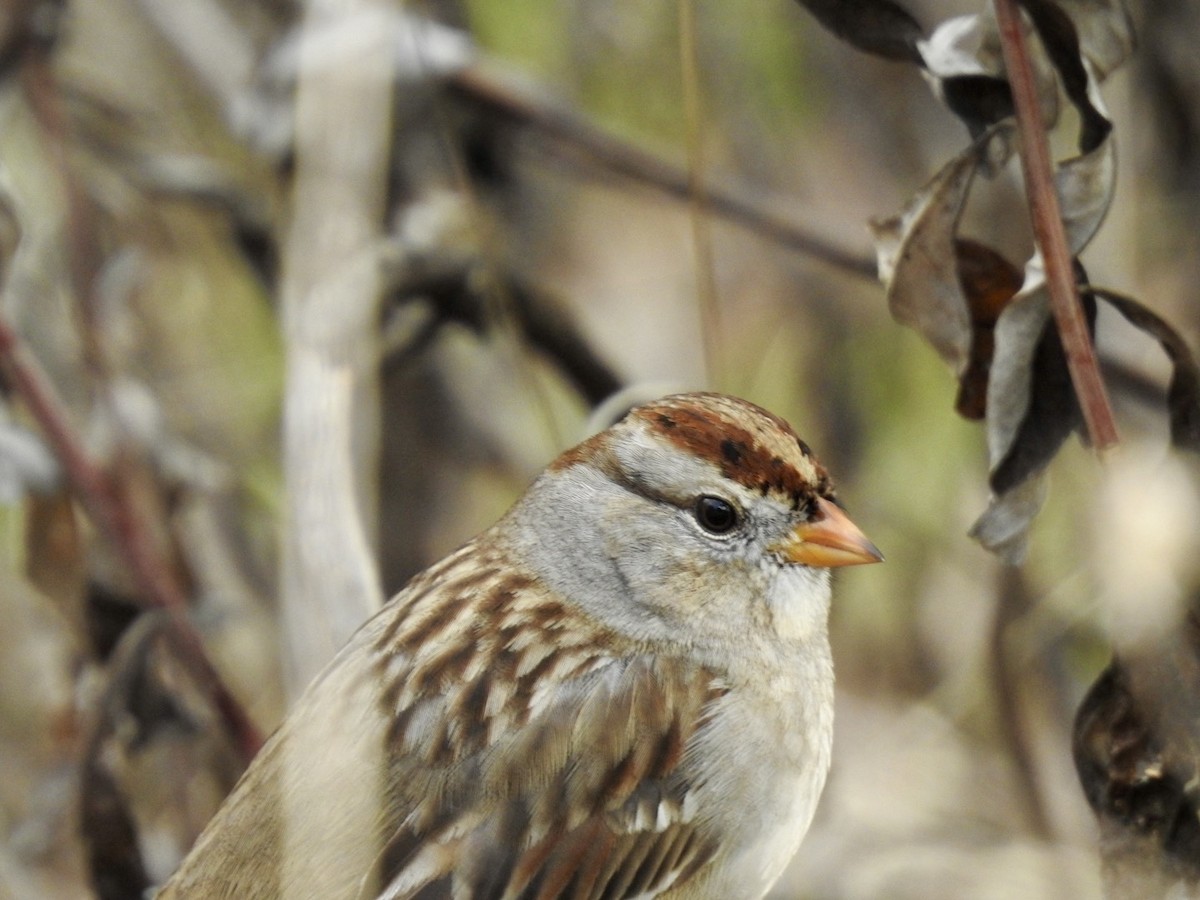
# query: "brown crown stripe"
[[707, 432], [589, 449], [708, 426]]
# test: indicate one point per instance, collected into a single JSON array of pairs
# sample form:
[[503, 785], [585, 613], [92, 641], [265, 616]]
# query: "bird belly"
[[765, 772]]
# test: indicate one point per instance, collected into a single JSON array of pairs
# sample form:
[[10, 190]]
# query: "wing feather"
[[585, 801], [478, 739]]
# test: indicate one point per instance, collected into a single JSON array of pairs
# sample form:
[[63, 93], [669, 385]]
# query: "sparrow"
[[622, 689]]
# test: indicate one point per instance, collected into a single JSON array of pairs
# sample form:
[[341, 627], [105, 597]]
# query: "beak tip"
[[831, 541]]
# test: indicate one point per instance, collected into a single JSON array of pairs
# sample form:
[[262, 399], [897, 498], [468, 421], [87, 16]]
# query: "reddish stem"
[[1050, 234], [120, 522], [104, 497]]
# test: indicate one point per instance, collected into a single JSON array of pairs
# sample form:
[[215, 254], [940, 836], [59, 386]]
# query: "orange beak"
[[828, 540]]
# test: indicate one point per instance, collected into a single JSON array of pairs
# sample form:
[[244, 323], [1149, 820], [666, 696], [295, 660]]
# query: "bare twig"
[[1050, 234], [702, 241], [453, 291], [502, 93]]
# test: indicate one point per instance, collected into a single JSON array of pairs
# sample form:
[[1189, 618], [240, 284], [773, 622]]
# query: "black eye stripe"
[[715, 514]]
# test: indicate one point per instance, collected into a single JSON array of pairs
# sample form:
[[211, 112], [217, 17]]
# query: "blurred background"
[[203, 200]]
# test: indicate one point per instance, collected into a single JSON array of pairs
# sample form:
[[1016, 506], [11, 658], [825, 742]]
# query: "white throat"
[[798, 599]]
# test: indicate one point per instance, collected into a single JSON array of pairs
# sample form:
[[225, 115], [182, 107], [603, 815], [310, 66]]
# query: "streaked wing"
[[588, 799], [478, 738]]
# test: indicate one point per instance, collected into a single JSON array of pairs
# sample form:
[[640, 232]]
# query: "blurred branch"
[[701, 226], [119, 520], [1012, 602], [329, 300], [107, 496], [1049, 232], [451, 286], [84, 256], [502, 93], [1136, 746]]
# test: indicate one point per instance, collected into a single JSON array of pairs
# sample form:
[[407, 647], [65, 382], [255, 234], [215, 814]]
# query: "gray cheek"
[[652, 555], [636, 565], [599, 547], [698, 592]]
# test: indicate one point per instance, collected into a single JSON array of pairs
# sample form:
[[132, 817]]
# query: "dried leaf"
[[1051, 414], [964, 297], [55, 553], [1061, 42], [1183, 392], [1105, 32], [881, 27], [1003, 528], [1031, 410], [1017, 333], [963, 45], [1031, 404], [1082, 41], [1018, 451], [918, 262], [1086, 185], [957, 294], [989, 282], [964, 62], [979, 100]]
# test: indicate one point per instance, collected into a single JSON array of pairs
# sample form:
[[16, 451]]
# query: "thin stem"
[[702, 242], [514, 101], [1050, 234], [1012, 603]]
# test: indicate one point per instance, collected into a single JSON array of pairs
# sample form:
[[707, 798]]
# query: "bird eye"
[[715, 515]]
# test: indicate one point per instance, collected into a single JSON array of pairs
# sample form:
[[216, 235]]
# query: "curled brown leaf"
[[1183, 391], [989, 282]]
